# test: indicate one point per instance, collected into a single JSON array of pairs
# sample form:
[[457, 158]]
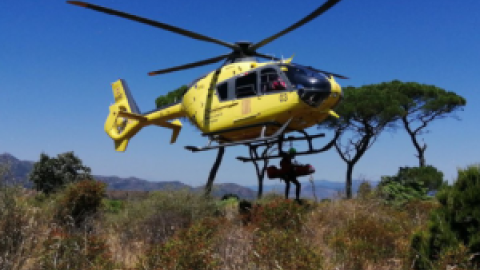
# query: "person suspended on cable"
[[287, 165]]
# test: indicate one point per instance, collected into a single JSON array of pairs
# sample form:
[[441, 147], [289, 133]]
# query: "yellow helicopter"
[[243, 102]]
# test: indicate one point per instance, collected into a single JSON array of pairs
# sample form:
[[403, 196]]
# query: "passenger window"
[[246, 86], [222, 90], [270, 81]]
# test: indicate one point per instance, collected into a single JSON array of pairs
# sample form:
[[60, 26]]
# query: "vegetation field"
[[78, 228]]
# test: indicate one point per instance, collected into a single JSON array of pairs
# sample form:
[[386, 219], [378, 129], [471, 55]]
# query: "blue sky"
[[57, 62]]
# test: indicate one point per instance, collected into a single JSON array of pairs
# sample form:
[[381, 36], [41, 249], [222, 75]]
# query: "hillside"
[[134, 183], [20, 170]]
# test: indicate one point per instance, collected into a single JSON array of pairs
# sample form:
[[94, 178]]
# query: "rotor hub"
[[244, 47]]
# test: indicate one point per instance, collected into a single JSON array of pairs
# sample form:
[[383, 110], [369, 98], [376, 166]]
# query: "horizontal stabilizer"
[[132, 116]]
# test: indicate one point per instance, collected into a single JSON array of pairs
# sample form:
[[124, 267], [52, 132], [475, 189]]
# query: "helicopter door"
[[222, 107], [245, 91]]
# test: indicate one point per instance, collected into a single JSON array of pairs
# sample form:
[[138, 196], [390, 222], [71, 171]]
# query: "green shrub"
[[398, 194], [409, 184], [113, 206], [453, 225], [81, 200], [428, 176]]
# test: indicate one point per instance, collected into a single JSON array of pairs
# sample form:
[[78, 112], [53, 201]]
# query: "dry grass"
[[171, 226]]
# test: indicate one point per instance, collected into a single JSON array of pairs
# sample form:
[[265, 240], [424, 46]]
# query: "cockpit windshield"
[[304, 78], [313, 87]]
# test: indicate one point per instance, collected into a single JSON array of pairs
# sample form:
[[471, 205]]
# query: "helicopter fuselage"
[[243, 94], [234, 103]]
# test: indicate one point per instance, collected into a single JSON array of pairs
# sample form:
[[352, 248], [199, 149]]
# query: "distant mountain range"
[[19, 170], [319, 188]]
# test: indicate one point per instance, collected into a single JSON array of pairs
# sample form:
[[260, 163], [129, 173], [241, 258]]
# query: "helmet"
[[292, 151]]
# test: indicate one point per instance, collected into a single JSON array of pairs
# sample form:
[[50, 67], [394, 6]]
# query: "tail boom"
[[125, 119]]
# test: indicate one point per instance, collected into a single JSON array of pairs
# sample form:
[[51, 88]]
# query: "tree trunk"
[[361, 147], [213, 171], [413, 136], [260, 171], [260, 187], [348, 182], [260, 175], [421, 158]]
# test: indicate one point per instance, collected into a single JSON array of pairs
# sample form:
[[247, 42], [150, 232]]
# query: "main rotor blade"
[[329, 73], [164, 26], [311, 16], [190, 65]]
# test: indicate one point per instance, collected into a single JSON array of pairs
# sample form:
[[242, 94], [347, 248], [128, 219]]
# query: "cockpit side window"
[[246, 85], [222, 90], [271, 81]]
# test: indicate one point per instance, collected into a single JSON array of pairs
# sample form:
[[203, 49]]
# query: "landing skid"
[[279, 143], [276, 139], [261, 138]]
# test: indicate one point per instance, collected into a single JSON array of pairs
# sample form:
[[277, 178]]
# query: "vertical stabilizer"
[[121, 92]]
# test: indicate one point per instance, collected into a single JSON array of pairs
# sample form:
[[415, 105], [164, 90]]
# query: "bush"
[[398, 194], [453, 225], [278, 238], [192, 248], [18, 232], [230, 196], [155, 219], [81, 200], [280, 249], [369, 238], [113, 206], [418, 211], [409, 184], [364, 190], [280, 214], [361, 234], [75, 251], [245, 211], [429, 177]]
